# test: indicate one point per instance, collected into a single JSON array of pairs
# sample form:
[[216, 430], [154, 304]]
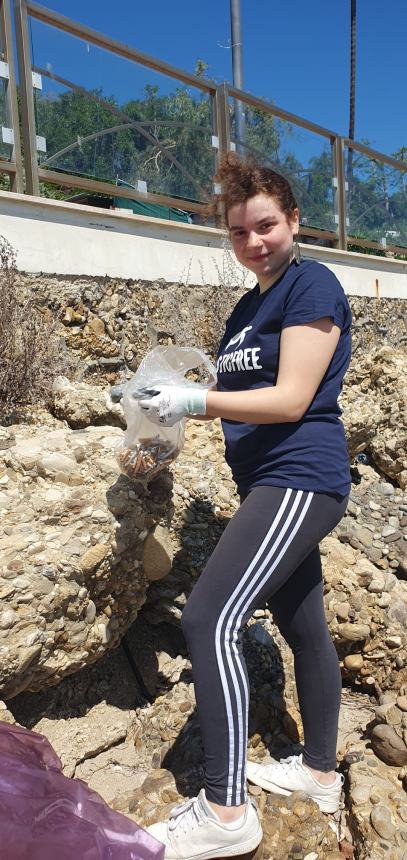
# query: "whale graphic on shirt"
[[238, 338]]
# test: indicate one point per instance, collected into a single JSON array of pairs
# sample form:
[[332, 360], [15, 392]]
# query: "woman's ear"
[[295, 222]]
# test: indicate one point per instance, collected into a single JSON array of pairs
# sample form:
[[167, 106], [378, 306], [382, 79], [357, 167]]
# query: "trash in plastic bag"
[[44, 815], [146, 448]]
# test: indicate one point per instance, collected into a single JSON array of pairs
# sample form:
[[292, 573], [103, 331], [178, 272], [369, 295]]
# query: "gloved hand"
[[173, 402]]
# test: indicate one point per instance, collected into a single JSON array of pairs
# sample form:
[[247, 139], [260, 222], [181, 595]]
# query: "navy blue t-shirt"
[[310, 454]]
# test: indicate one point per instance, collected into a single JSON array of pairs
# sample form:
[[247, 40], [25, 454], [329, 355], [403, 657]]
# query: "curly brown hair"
[[241, 179]]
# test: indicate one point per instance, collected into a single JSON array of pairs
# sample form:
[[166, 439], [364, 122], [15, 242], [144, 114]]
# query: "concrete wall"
[[63, 238]]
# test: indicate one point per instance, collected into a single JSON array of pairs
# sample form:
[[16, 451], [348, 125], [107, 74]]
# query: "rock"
[[393, 641], [93, 557], [353, 632], [5, 715], [376, 586], [388, 745], [83, 738], [354, 662], [82, 405], [364, 535], [388, 530], [74, 315], [360, 794], [361, 419], [90, 613], [157, 554], [365, 570], [380, 819], [71, 571], [386, 489], [398, 611], [7, 438]]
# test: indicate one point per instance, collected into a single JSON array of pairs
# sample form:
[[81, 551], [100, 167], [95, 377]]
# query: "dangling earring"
[[296, 252]]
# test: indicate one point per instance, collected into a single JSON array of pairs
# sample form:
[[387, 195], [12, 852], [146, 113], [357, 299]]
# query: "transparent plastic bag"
[[147, 448], [44, 815]]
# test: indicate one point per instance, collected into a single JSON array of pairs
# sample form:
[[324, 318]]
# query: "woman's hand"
[[173, 402]]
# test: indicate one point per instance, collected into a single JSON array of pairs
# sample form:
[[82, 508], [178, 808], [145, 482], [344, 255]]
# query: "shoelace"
[[294, 762], [186, 816]]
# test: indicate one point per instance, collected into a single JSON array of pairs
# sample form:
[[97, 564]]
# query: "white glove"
[[173, 402]]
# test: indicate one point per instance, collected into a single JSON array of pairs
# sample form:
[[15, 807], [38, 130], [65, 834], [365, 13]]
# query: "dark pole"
[[352, 91], [237, 62]]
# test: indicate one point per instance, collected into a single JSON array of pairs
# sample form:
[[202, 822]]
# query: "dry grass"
[[31, 353]]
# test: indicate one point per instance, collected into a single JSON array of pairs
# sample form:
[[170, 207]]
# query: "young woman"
[[280, 367]]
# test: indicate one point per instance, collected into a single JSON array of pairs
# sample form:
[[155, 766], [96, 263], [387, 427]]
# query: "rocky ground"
[[88, 556]]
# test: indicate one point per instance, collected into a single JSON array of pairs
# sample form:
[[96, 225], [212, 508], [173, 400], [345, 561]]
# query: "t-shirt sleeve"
[[316, 293]]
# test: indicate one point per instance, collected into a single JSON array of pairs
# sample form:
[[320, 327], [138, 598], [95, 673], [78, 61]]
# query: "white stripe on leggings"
[[230, 640], [242, 748], [219, 654]]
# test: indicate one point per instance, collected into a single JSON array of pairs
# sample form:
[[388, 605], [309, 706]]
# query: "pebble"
[[393, 641], [386, 489], [354, 662], [381, 821], [90, 613], [354, 632]]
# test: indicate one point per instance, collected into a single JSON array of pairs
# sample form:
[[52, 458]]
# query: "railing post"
[[222, 126], [222, 118], [27, 98], [340, 192], [16, 179]]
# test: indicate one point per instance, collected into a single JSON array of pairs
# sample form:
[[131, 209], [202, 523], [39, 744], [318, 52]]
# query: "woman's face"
[[262, 236]]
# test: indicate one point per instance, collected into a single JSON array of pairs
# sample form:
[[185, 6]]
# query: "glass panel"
[[5, 148], [376, 200], [304, 158], [131, 124]]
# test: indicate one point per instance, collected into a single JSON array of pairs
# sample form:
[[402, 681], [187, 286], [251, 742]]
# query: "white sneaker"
[[289, 775], [194, 832]]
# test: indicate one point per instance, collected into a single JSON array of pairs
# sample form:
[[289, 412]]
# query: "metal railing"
[[356, 201], [10, 149]]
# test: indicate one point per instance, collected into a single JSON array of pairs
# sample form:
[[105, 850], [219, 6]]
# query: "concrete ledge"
[[57, 237]]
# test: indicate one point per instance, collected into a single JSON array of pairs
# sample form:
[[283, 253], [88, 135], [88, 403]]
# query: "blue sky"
[[295, 53]]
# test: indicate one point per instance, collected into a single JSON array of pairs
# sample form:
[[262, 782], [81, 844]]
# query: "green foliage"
[[377, 199], [85, 137]]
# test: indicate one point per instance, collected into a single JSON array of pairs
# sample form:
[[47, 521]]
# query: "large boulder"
[[72, 578]]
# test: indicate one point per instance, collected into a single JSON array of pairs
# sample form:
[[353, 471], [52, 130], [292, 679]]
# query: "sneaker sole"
[[252, 849], [324, 805]]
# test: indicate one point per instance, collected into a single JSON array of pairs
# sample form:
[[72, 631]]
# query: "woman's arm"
[[305, 354]]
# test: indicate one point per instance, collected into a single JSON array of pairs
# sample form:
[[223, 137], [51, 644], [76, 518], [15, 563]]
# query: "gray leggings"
[[268, 554]]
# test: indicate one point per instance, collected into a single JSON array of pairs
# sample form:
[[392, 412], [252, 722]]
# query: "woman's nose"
[[253, 239]]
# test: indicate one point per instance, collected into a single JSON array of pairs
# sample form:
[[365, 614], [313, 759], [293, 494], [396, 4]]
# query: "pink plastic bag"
[[46, 816]]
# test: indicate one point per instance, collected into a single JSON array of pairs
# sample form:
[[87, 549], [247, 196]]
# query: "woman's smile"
[[262, 236]]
